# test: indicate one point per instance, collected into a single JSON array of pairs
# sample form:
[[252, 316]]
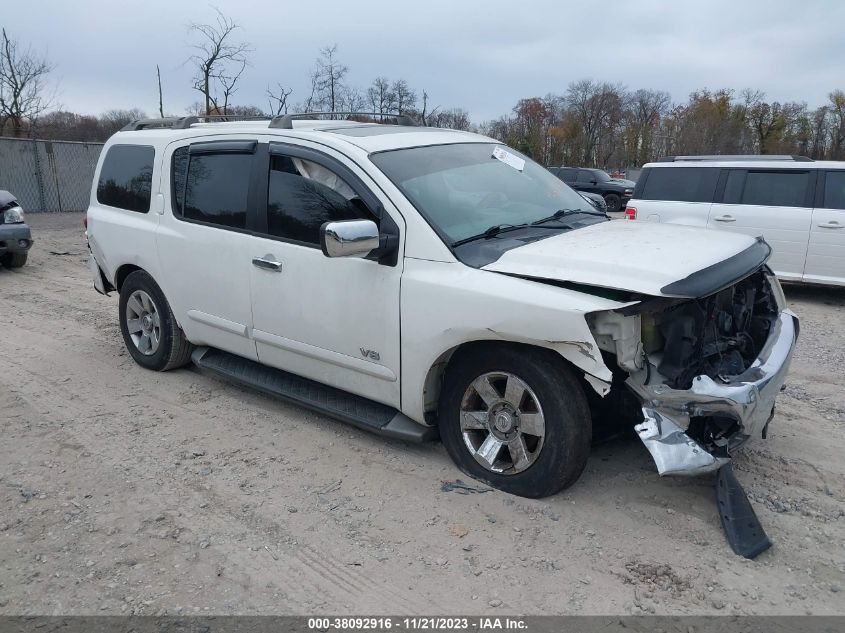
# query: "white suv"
[[412, 280], [797, 204]]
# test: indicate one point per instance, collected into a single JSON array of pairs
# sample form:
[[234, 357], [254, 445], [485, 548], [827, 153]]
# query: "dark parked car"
[[615, 191], [15, 238]]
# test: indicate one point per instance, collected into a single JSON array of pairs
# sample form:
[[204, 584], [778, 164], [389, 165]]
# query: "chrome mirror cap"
[[349, 238]]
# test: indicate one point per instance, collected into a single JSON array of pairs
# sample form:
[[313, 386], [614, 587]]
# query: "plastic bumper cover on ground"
[[748, 398]]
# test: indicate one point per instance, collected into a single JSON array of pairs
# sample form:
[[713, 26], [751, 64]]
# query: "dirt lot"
[[126, 491]]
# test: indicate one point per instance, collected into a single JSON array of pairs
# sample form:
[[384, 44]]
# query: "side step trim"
[[356, 410]]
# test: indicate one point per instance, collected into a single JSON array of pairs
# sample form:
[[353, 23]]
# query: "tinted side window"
[[834, 190], [567, 174], [733, 186], [682, 184], [216, 189], [776, 188], [126, 177], [585, 177], [302, 195]]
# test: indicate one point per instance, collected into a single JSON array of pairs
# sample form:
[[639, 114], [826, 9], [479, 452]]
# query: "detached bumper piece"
[[745, 401], [742, 528]]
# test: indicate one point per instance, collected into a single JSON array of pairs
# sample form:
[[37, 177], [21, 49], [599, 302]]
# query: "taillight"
[[630, 213], [85, 220]]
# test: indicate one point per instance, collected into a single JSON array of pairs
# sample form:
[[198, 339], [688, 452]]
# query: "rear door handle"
[[833, 224], [725, 218], [267, 263]]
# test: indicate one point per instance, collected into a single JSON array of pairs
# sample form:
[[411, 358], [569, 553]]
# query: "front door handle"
[[833, 224], [267, 263], [725, 218]]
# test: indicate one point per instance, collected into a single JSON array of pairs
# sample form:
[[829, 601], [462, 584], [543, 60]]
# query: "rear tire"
[[14, 260], [554, 445], [149, 329], [614, 203]]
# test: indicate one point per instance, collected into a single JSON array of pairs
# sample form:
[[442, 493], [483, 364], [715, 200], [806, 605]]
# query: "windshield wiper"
[[490, 232], [562, 213]]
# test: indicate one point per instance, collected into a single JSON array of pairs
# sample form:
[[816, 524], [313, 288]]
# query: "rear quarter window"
[[834, 190], [775, 188], [126, 177], [680, 184]]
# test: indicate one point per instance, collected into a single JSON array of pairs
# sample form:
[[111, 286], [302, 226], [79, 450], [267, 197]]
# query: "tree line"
[[598, 124], [592, 123]]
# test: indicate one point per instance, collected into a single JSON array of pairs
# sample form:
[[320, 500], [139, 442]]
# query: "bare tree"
[[836, 109], [215, 53], [23, 89], [406, 99], [113, 120], [453, 118], [327, 80], [228, 85], [381, 97], [351, 99], [645, 109], [278, 99], [597, 108]]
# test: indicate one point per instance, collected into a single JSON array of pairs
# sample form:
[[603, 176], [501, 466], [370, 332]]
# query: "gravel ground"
[[124, 491]]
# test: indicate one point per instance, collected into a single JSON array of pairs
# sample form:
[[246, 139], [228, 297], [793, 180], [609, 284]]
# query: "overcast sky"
[[479, 55]]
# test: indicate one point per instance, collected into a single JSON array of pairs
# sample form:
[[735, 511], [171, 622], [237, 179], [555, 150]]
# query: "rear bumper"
[[748, 399], [15, 238], [97, 275]]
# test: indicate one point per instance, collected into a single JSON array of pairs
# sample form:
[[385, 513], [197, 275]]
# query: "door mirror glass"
[[349, 238]]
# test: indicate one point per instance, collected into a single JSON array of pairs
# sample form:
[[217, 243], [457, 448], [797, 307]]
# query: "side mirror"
[[349, 238]]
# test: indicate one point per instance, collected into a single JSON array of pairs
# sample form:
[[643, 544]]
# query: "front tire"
[[149, 329], [516, 419], [14, 260], [614, 203]]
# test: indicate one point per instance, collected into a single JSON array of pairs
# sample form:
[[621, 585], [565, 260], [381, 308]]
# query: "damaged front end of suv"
[[704, 366]]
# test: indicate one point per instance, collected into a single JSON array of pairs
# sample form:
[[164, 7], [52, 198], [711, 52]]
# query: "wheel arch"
[[123, 272], [434, 377]]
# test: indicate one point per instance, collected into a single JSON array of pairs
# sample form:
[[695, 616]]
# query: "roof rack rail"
[[737, 157], [184, 122], [175, 122], [285, 121]]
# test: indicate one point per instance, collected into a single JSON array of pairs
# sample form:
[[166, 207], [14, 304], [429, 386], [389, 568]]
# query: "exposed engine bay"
[[662, 351], [718, 336]]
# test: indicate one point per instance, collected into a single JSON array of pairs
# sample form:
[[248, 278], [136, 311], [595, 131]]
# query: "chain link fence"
[[48, 175]]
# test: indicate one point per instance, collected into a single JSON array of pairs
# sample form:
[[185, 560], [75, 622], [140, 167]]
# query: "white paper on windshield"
[[508, 159]]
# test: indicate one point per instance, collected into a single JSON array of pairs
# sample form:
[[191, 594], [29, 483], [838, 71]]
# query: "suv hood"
[[630, 184], [660, 260]]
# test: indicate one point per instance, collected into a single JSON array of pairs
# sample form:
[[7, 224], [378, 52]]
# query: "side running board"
[[356, 410]]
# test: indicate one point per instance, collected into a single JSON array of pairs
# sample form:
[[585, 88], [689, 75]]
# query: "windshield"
[[463, 189]]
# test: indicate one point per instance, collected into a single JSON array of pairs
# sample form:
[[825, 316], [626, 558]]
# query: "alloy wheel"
[[502, 423]]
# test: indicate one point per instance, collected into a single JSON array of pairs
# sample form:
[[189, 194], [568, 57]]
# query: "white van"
[[795, 203]]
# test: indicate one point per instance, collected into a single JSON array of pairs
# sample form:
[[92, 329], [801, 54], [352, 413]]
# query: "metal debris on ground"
[[462, 488]]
